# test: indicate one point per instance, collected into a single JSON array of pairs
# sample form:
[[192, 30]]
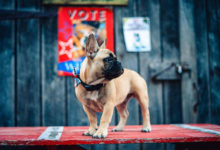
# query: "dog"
[[105, 84]]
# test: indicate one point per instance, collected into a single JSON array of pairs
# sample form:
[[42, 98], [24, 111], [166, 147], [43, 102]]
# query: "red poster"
[[74, 25]]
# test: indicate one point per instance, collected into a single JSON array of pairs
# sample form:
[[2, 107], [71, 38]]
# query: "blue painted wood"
[[188, 56], [75, 113], [28, 71], [29, 5], [53, 86], [171, 53], [204, 109], [7, 71], [213, 24], [9, 4]]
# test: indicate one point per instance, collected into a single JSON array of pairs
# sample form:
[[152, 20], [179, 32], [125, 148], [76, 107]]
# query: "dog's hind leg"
[[143, 99], [123, 112]]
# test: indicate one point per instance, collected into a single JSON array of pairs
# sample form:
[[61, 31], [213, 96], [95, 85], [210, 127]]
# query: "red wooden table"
[[73, 135]]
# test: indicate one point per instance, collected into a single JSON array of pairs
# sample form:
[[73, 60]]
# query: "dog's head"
[[102, 64]]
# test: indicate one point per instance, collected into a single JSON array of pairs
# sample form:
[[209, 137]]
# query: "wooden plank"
[[188, 56], [204, 109], [151, 9], [75, 113], [131, 134], [53, 86], [28, 70], [9, 4], [170, 46], [7, 57], [29, 5], [213, 17], [129, 60]]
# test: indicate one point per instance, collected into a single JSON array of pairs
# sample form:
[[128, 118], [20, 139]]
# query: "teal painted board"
[[7, 71], [53, 86], [171, 53], [28, 73], [9, 4], [29, 5], [75, 113], [213, 24], [28, 70], [202, 51], [7, 82], [188, 56]]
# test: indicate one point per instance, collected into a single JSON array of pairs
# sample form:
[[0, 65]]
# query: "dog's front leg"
[[92, 120], [102, 131]]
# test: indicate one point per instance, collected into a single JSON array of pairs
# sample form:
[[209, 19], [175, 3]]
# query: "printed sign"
[[137, 34], [74, 25]]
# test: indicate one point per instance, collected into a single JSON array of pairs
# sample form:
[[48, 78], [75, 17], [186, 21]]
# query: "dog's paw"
[[90, 132], [100, 134], [146, 129], [117, 129]]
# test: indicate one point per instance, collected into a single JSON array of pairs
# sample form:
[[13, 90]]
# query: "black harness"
[[88, 87]]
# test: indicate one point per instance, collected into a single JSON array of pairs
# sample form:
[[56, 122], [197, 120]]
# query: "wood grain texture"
[[53, 86], [214, 57], [7, 71], [28, 70], [29, 5], [9, 4], [202, 51], [75, 113], [171, 53], [188, 56]]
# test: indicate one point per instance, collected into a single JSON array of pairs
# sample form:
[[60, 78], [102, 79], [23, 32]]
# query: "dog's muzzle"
[[114, 70]]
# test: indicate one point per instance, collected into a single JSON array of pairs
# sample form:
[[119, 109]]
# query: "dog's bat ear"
[[92, 46], [103, 45]]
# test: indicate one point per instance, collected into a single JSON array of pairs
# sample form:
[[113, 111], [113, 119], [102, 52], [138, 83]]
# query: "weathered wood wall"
[[183, 31]]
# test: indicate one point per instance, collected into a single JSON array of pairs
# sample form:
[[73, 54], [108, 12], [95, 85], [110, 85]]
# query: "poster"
[[137, 34], [74, 25]]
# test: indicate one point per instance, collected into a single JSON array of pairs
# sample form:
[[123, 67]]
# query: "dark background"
[[182, 32]]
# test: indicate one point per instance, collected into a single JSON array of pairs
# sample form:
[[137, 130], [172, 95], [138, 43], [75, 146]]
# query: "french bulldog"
[[105, 84]]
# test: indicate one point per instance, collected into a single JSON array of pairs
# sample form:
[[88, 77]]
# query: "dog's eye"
[[110, 58]]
